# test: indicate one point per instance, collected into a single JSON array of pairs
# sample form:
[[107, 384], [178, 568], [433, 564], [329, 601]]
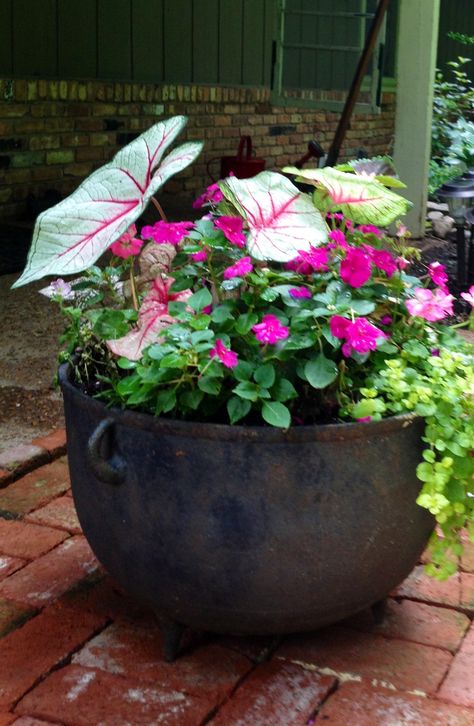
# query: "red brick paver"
[[76, 650], [81, 697], [35, 489], [277, 693], [46, 578], [27, 541], [54, 443], [59, 513], [30, 652], [356, 704], [459, 684]]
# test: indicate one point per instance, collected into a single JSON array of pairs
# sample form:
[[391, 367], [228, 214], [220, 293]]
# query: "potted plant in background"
[[251, 397]]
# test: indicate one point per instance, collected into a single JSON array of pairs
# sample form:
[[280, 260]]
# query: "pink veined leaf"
[[70, 236], [361, 199], [152, 318], [281, 220]]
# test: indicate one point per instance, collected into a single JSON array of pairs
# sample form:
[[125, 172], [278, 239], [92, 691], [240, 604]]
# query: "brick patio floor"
[[75, 650]]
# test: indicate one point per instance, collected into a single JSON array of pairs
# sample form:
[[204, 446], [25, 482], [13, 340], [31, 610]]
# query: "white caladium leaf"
[[280, 218], [153, 316], [69, 237], [360, 198]]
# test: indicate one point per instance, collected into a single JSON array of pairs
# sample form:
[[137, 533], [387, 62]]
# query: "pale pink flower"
[[59, 288], [232, 229], [241, 268], [300, 292], [360, 336], [270, 330], [430, 305], [128, 244], [167, 232], [438, 274], [226, 356], [402, 263], [212, 195], [401, 230], [356, 267], [469, 295]]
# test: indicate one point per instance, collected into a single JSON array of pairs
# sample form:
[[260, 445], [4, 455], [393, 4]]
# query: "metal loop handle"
[[107, 466]]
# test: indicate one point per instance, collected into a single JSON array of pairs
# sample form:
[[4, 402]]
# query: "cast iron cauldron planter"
[[246, 530]]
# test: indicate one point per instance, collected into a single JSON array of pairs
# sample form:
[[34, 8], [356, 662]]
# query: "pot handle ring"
[[107, 466]]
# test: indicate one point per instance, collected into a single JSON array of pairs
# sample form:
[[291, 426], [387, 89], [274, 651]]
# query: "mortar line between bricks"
[[457, 608], [448, 670], [314, 716], [270, 651], [62, 662]]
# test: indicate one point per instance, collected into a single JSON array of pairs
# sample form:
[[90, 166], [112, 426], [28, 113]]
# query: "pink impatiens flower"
[[356, 267], [226, 356], [212, 195], [200, 256], [338, 237], [313, 260], [430, 305], [384, 261], [128, 244], [469, 295], [167, 232], [370, 229], [232, 229], [300, 292], [360, 336], [438, 274], [270, 330], [241, 268]]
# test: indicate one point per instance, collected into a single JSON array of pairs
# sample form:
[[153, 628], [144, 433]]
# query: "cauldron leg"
[[171, 632], [378, 611]]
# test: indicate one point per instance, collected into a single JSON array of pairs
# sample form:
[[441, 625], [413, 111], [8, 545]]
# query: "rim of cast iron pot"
[[204, 430]]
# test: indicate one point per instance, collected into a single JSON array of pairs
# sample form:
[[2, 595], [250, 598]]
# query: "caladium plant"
[[278, 307], [362, 199], [72, 235], [281, 221]]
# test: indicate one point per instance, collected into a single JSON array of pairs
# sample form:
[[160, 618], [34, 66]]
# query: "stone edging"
[[18, 460]]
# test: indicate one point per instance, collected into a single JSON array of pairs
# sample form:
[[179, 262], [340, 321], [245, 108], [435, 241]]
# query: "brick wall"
[[54, 133]]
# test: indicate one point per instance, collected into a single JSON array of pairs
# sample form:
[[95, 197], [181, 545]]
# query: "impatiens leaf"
[[69, 237], [276, 414], [281, 220], [361, 199]]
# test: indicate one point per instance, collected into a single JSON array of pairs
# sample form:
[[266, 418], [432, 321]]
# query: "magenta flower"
[[338, 237], [355, 268], [226, 356], [200, 256], [364, 419], [128, 244], [360, 336], [232, 229], [167, 232], [300, 292], [438, 274], [270, 330], [370, 229], [212, 195], [430, 305], [386, 319], [469, 295], [315, 259], [384, 261], [241, 268]]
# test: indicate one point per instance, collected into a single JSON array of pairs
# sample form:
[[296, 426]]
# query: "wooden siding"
[[175, 41], [457, 15]]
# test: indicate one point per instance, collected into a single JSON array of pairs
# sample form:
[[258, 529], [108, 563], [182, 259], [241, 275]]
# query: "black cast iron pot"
[[247, 530]]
